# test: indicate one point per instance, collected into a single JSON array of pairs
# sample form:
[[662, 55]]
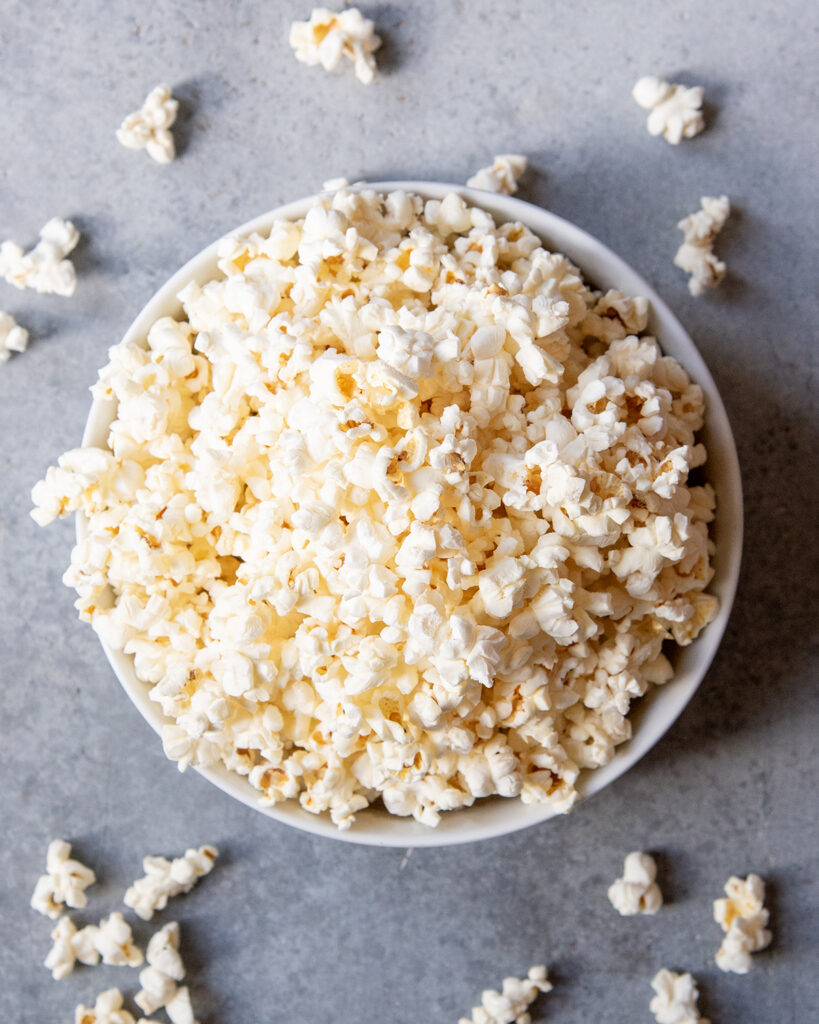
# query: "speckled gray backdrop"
[[291, 928]]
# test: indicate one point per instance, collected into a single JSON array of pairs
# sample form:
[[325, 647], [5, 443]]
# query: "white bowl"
[[495, 816]]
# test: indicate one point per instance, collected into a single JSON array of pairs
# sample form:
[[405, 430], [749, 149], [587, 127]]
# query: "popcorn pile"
[[112, 941], [44, 268], [399, 509], [744, 919], [149, 127], [330, 36]]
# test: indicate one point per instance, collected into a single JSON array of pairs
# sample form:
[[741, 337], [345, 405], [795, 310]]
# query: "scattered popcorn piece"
[[502, 175], [695, 256], [115, 942], [637, 891], [509, 1006], [179, 1009], [399, 507], [165, 968], [675, 109], [106, 1010], [329, 35], [70, 945], [676, 999], [165, 878], [743, 917], [44, 268], [149, 127], [64, 883], [13, 338]]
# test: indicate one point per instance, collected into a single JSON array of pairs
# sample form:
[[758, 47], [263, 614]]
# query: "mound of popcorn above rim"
[[399, 509]]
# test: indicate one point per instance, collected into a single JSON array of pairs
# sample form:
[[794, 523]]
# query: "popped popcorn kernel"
[[165, 878], [45, 268], [149, 128], [509, 1006], [676, 999], [501, 175], [743, 917], [64, 882], [675, 110], [397, 508], [636, 892], [107, 1009], [695, 256], [330, 36], [13, 338]]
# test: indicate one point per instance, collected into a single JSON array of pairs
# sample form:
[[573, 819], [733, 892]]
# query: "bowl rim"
[[658, 710]]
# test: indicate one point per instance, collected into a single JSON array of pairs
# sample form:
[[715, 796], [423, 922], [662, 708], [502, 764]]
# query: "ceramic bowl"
[[657, 711]]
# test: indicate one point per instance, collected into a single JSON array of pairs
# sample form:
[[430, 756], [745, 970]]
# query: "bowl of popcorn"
[[398, 526]]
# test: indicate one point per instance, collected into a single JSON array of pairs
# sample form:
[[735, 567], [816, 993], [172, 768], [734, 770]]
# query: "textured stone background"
[[300, 929]]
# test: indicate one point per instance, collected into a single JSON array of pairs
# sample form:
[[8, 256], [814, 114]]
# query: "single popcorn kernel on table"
[[637, 891], [165, 968], [399, 509], [64, 883], [149, 127], [509, 1006], [695, 256], [744, 918], [676, 999], [165, 878], [107, 1009], [13, 338], [330, 36], [675, 110], [71, 944], [44, 268], [502, 175]]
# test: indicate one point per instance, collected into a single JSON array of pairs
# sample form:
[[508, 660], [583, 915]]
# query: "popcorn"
[[179, 1009], [64, 883], [509, 1006], [502, 174], [676, 999], [149, 127], [636, 892], [743, 918], [398, 508], [13, 338], [165, 968], [675, 110], [70, 945], [695, 256], [115, 944], [107, 1009], [164, 879], [45, 267], [328, 36]]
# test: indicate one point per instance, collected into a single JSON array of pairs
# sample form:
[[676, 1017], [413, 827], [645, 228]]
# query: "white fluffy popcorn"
[[501, 175], [509, 1006], [330, 36], [165, 968], [115, 942], [13, 338], [179, 1009], [165, 878], [696, 256], [676, 999], [398, 509], [675, 109], [743, 917], [107, 1009], [64, 883], [636, 892], [149, 127], [44, 268], [70, 944]]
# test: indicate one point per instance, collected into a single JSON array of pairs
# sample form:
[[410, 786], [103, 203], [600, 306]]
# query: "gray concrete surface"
[[291, 928]]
